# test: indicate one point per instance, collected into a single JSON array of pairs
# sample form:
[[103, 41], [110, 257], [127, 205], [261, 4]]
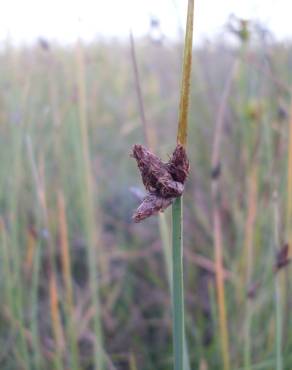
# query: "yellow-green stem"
[[278, 308], [186, 78], [177, 283], [177, 213]]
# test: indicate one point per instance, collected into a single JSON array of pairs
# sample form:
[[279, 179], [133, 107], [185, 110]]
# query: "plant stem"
[[180, 352], [145, 124], [90, 226], [186, 78], [289, 185], [278, 309], [67, 280], [177, 281], [249, 247], [217, 224], [220, 282], [150, 141]]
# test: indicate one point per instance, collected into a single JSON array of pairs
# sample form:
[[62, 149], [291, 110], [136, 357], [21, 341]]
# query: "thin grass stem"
[[67, 280], [289, 185], [177, 283], [217, 224], [180, 351], [89, 218], [278, 306]]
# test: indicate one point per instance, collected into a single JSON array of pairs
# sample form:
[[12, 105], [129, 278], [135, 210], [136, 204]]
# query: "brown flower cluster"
[[282, 257], [163, 181]]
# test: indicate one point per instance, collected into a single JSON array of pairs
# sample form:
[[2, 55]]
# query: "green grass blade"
[[178, 295]]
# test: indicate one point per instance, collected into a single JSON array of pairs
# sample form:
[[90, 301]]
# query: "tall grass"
[[67, 120], [278, 304], [71, 338], [163, 226], [88, 195], [217, 223], [289, 184], [249, 247], [177, 209]]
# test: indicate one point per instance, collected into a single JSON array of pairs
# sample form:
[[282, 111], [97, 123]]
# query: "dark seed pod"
[[151, 205], [179, 165], [163, 181], [282, 257]]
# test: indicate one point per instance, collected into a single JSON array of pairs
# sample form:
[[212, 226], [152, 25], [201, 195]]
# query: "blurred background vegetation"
[[79, 280]]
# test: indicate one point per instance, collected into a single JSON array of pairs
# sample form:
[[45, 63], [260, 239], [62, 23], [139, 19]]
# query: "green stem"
[[247, 344], [89, 212], [278, 326], [278, 308], [177, 285]]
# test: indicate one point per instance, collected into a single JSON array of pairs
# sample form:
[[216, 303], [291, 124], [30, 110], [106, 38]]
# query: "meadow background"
[[79, 281]]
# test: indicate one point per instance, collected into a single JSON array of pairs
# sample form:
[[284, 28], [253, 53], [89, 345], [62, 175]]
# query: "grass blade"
[[177, 282], [186, 78], [278, 308], [89, 212], [177, 210]]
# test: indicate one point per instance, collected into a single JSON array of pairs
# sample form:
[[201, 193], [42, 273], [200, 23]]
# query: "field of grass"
[[83, 287]]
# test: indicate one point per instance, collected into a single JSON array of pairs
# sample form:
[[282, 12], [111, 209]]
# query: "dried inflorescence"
[[282, 258], [163, 181]]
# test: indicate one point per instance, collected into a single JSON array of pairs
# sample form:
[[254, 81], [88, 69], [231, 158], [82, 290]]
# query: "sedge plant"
[[164, 183], [177, 207], [150, 140]]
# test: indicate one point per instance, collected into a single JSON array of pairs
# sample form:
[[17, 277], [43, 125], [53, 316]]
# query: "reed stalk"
[[177, 207], [150, 139], [67, 280], [14, 243], [249, 247], [35, 268], [277, 295], [91, 228], [289, 187], [217, 224], [57, 328]]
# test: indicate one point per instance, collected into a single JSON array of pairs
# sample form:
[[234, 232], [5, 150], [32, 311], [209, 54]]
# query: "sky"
[[67, 20]]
